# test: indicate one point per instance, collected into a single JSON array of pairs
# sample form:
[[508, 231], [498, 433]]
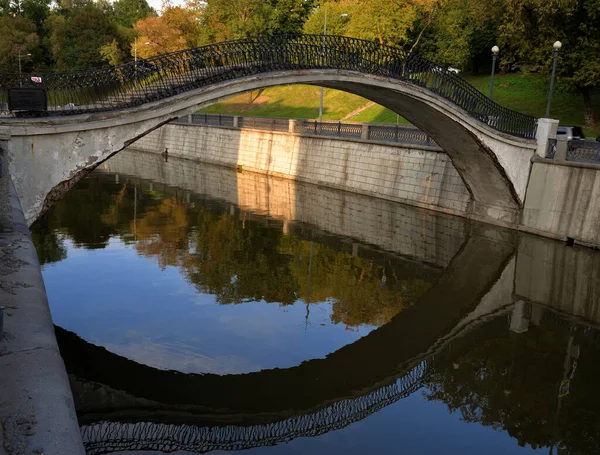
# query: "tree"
[[288, 16], [186, 19], [463, 34], [112, 53], [128, 12], [18, 37], [160, 37], [77, 38], [233, 19], [529, 27]]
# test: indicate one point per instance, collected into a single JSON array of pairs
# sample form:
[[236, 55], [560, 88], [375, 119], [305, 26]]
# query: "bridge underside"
[[48, 156]]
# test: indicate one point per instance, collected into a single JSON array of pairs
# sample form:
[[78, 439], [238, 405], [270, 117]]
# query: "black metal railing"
[[212, 120], [331, 129], [264, 123], [163, 76], [583, 151], [400, 134]]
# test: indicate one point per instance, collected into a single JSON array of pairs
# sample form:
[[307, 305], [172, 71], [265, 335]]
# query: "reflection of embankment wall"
[[563, 278], [420, 176], [421, 235]]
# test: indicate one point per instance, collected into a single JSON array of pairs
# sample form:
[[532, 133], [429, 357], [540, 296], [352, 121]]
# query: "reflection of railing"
[[167, 75], [106, 437], [400, 134]]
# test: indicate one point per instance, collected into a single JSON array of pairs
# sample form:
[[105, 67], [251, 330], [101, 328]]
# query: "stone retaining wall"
[[423, 176]]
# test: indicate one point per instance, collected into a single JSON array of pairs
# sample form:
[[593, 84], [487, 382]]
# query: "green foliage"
[[336, 23], [233, 19], [128, 12], [19, 37], [77, 38], [288, 16], [112, 53]]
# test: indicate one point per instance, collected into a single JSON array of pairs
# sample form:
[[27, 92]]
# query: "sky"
[[157, 4]]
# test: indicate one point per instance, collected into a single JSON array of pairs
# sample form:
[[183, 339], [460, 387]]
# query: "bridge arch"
[[490, 146]]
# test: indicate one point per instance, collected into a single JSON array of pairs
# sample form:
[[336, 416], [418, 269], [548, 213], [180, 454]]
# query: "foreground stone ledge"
[[37, 415]]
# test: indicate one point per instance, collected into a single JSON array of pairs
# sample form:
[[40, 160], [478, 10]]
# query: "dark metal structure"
[[577, 150], [161, 77], [583, 151], [108, 437], [403, 134]]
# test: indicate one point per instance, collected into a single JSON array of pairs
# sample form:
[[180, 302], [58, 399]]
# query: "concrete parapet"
[[364, 134], [561, 149], [37, 414]]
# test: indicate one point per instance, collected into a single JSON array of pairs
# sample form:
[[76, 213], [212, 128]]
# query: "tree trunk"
[[588, 112]]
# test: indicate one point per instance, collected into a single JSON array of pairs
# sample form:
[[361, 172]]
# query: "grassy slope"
[[523, 93]]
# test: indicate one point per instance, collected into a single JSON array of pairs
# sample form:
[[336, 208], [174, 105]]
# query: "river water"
[[202, 309]]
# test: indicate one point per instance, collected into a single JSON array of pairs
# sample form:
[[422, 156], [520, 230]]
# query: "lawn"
[[517, 91]]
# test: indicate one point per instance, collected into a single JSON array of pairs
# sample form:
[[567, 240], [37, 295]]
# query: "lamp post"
[[28, 55], [321, 91], [557, 45], [495, 51]]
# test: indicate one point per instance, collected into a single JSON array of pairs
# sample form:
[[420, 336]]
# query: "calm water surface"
[[199, 309]]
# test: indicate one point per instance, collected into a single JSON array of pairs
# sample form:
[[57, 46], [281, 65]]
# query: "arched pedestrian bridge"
[[90, 115]]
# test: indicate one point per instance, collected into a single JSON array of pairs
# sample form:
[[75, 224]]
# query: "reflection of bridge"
[[178, 411], [490, 146], [105, 436], [276, 405]]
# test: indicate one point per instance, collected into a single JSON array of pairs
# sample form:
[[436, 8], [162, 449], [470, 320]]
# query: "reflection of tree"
[[49, 246], [235, 257], [362, 292], [240, 260], [162, 231], [511, 383]]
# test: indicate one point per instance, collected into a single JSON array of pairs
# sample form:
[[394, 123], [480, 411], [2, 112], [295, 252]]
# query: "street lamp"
[[321, 91], [557, 45], [28, 55], [495, 51]]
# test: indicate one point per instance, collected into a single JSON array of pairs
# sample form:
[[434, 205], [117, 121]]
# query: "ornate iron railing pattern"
[[400, 134], [107, 437], [167, 75], [337, 129], [583, 151], [264, 123], [212, 120]]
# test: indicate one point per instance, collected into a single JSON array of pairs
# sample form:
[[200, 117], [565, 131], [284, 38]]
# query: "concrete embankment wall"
[[420, 235], [37, 414], [420, 176], [563, 201]]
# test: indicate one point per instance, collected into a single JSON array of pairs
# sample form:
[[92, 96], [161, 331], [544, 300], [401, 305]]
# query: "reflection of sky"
[[412, 426], [115, 298]]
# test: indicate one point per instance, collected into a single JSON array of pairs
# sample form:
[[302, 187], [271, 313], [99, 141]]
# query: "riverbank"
[[517, 91], [416, 175], [37, 413]]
